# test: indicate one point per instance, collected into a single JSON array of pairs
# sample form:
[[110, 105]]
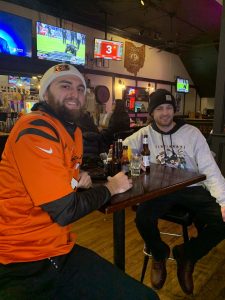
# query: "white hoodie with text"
[[183, 147]]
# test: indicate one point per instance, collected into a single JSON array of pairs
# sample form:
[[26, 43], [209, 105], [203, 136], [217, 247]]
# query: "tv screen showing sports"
[[15, 35], [59, 44], [182, 85], [19, 81], [108, 49]]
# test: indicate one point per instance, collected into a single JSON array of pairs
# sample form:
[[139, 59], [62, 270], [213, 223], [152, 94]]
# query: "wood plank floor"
[[95, 232]]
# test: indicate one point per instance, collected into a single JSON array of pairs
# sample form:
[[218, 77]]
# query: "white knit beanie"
[[55, 72]]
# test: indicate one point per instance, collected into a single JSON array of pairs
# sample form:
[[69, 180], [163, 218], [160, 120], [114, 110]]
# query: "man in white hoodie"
[[176, 144]]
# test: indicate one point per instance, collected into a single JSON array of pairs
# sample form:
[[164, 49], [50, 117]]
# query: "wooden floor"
[[95, 232]]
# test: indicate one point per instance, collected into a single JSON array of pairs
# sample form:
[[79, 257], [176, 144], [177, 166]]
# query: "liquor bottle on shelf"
[[124, 160], [8, 123], [146, 154]]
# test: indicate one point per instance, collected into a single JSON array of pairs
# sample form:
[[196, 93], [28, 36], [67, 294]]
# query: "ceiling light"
[[142, 2]]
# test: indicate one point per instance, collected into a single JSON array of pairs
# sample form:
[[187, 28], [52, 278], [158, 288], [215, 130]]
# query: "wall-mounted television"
[[108, 49], [19, 81], [15, 35], [182, 85], [59, 44]]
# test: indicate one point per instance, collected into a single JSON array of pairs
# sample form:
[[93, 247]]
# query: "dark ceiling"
[[189, 28]]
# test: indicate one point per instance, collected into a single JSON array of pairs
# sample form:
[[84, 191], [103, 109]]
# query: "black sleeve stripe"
[[40, 122], [36, 131]]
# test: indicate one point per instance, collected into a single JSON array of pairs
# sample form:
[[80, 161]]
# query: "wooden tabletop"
[[160, 181]]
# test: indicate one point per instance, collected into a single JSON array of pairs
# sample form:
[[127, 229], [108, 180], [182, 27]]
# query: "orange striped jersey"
[[40, 164]]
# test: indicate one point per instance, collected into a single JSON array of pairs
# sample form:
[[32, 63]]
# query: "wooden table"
[[160, 181]]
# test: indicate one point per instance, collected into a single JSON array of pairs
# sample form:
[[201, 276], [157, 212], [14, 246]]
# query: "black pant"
[[205, 211], [81, 275]]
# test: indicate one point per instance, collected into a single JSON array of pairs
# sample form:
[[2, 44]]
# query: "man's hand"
[[84, 181], [223, 213], [118, 183]]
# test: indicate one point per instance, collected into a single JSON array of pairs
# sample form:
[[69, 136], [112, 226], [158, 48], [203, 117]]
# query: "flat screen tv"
[[108, 49], [182, 85], [15, 35], [19, 81], [59, 44]]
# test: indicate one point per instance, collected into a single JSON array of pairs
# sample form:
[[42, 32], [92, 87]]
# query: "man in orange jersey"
[[40, 198]]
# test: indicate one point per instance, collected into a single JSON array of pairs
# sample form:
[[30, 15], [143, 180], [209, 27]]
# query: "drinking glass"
[[104, 157], [135, 165]]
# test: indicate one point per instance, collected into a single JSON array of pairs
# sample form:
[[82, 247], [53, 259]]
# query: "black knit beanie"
[[161, 96]]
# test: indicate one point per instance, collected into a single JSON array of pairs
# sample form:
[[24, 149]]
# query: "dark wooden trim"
[[218, 146], [113, 89], [25, 66], [220, 81]]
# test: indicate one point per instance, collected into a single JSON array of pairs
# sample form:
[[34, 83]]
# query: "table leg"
[[119, 238]]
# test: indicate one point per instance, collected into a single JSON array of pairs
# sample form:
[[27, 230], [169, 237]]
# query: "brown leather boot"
[[185, 269], [158, 271]]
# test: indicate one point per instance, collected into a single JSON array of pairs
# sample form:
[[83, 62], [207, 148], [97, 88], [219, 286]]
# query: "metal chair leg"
[[146, 259], [185, 233], [184, 221]]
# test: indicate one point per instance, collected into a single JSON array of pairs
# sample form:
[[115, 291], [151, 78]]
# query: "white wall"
[[158, 65], [190, 102], [3, 81], [207, 103], [100, 80]]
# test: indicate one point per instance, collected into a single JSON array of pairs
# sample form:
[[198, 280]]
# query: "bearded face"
[[62, 109], [66, 96]]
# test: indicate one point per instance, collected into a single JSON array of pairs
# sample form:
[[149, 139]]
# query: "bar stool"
[[178, 215]]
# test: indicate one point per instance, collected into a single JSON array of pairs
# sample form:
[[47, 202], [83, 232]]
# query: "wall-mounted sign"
[[134, 57], [108, 49]]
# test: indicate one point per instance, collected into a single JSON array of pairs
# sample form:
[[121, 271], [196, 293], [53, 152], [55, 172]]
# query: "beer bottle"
[[109, 156], [115, 165], [124, 160], [120, 148], [146, 154]]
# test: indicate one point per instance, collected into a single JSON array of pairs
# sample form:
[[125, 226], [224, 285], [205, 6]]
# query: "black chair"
[[178, 215], [3, 139]]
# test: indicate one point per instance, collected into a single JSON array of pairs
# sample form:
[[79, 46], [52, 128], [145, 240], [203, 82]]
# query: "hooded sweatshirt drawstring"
[[164, 146], [171, 145]]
